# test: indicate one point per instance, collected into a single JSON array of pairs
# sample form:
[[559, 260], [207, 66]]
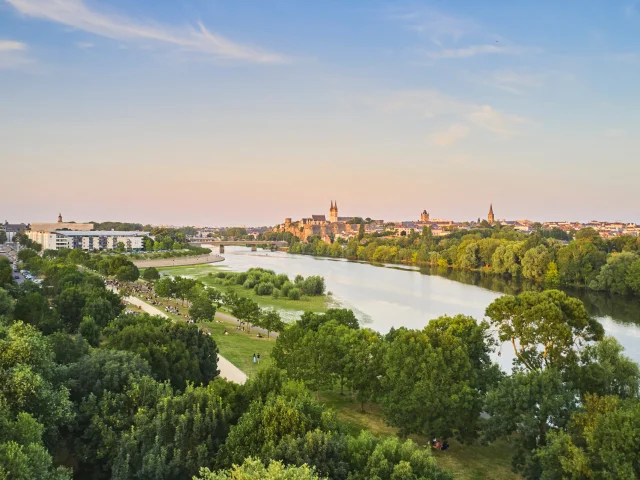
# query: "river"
[[385, 296]]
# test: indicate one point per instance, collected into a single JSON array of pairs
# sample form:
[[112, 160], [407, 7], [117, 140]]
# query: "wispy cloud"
[[85, 45], [198, 39], [474, 50], [437, 26], [449, 136], [464, 115], [13, 54]]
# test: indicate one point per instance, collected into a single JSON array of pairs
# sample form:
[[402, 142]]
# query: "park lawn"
[[238, 347], [466, 462], [319, 304]]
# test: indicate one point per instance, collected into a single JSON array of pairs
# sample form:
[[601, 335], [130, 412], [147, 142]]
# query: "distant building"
[[424, 217], [60, 225], [11, 229], [319, 225], [491, 218], [87, 240]]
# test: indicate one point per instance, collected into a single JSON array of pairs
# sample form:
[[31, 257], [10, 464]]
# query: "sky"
[[208, 112]]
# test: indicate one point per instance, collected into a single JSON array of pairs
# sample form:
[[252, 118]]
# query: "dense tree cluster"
[[571, 389], [546, 257], [266, 282], [103, 394]]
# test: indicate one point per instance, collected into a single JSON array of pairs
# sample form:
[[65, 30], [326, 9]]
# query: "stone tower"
[[491, 218], [59, 218], [333, 212], [424, 216]]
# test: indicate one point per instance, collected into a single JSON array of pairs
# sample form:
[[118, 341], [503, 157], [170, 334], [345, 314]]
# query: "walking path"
[[178, 261], [227, 369]]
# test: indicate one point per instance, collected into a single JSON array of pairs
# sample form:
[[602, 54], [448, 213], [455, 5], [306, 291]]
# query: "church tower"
[[59, 218], [333, 212], [424, 216], [491, 218]]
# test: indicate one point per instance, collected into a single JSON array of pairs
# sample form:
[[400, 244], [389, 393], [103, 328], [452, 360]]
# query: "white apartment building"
[[88, 240]]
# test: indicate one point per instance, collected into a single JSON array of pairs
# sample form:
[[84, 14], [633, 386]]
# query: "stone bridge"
[[253, 244]]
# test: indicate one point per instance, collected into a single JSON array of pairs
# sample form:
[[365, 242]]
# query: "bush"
[[265, 288], [313, 285], [276, 293], [241, 278], [294, 294], [286, 286], [151, 274]]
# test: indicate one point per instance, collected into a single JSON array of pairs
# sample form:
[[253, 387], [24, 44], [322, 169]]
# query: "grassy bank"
[[238, 347], [466, 462], [201, 272]]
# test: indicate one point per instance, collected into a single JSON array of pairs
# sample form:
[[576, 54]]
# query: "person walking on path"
[[258, 358], [254, 358]]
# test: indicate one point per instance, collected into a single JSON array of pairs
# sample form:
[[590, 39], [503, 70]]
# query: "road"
[[227, 369], [10, 253]]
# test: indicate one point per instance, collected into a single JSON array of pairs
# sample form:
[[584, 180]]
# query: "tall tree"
[[544, 328]]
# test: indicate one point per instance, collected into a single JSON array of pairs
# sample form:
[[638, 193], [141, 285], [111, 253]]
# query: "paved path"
[[178, 261], [227, 369]]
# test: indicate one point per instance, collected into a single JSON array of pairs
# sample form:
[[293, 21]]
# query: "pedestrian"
[[254, 358], [258, 358]]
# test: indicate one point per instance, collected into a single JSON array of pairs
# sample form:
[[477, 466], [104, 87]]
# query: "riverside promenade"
[[178, 261]]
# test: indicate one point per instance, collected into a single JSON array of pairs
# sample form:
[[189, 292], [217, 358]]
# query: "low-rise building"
[[88, 240]]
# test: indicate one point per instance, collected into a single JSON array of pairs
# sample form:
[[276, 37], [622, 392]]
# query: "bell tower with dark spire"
[[491, 218], [59, 218]]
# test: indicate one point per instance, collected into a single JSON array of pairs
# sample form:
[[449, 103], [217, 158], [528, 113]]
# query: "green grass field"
[[292, 307], [466, 462]]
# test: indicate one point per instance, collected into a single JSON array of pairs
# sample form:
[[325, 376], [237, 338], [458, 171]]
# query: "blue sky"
[[219, 112]]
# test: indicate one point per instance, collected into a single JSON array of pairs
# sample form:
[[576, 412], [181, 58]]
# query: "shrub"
[[294, 294], [265, 288]]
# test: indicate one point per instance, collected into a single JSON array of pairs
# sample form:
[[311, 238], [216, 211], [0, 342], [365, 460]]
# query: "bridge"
[[242, 243]]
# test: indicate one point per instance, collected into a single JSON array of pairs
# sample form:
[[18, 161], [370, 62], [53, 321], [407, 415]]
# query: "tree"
[[120, 247], [604, 370], [202, 309], [90, 331], [27, 371], [545, 328], [246, 310], [530, 404], [26, 254], [150, 274], [6, 272], [3, 237], [552, 277], [70, 303], [6, 304], [177, 352], [363, 363], [535, 263], [252, 469], [431, 385], [128, 273], [601, 441], [179, 434], [270, 320], [23, 454], [165, 287], [613, 276]]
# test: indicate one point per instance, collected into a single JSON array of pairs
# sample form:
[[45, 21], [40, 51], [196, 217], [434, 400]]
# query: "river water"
[[385, 296]]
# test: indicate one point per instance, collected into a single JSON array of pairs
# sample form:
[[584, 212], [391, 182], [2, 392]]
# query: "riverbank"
[[179, 261]]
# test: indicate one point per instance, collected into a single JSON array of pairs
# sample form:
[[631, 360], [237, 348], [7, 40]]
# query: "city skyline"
[[220, 113]]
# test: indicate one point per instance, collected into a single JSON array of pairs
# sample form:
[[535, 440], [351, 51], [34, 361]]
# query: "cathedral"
[[319, 225]]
